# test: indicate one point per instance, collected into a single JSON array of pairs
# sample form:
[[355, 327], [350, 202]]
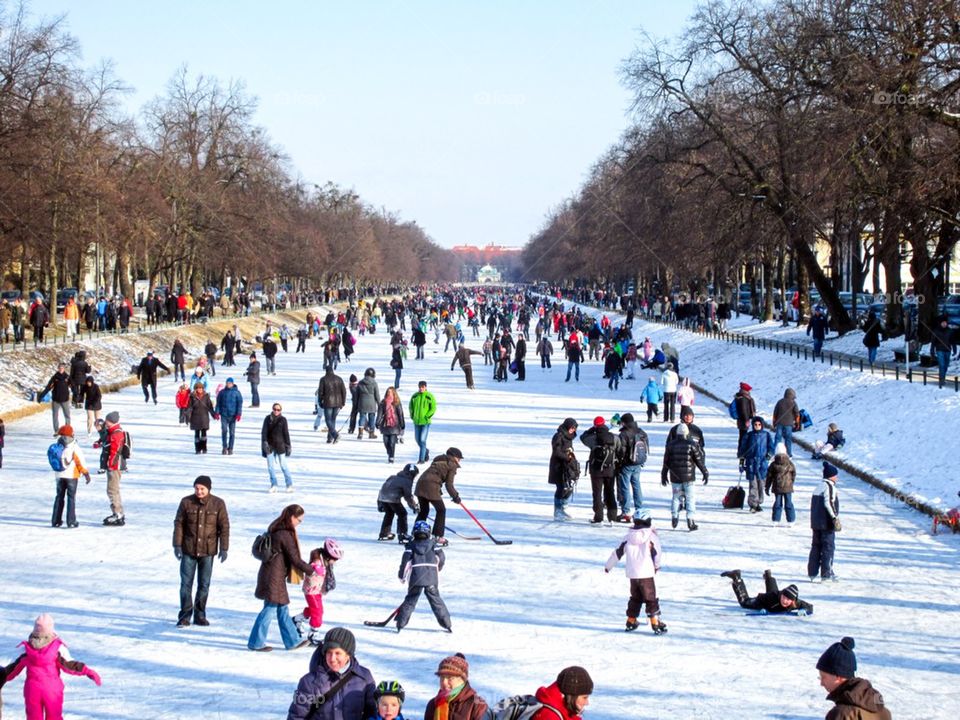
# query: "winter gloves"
[[92, 674], [177, 552], [705, 478], [87, 476], [223, 556]]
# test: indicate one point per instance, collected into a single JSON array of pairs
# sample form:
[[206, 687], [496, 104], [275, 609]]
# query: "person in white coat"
[[73, 465], [685, 394], [668, 384], [641, 548]]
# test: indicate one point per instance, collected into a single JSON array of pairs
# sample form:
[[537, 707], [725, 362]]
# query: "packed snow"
[[520, 612]]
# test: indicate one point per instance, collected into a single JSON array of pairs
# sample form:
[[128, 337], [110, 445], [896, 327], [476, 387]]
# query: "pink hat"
[[43, 625]]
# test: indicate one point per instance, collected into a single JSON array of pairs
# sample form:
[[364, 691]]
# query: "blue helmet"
[[421, 528]]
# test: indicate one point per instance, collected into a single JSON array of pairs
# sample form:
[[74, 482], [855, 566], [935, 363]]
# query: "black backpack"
[[602, 457]]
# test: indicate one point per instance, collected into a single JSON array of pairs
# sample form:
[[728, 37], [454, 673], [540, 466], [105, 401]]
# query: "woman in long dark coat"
[[201, 408], [285, 563]]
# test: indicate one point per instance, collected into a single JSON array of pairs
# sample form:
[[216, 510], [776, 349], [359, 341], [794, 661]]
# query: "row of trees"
[[765, 128], [188, 193]]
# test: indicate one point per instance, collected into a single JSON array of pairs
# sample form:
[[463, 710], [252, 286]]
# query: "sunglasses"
[[276, 409]]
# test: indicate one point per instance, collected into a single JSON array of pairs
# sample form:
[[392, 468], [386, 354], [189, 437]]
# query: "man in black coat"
[[210, 350], [332, 395], [276, 447], [602, 465], [79, 369], [270, 353], [681, 459], [564, 468], [59, 386], [147, 372], [520, 357]]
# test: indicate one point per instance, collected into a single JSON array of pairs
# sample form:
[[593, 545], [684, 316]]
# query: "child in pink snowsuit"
[[44, 657], [315, 586]]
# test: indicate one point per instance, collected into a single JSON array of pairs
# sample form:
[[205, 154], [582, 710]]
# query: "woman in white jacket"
[[641, 546], [668, 384]]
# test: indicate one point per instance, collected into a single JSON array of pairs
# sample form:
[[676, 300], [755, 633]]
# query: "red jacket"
[[552, 697], [115, 440]]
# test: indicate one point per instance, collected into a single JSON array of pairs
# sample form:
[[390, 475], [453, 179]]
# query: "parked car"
[[950, 306], [65, 294], [10, 295]]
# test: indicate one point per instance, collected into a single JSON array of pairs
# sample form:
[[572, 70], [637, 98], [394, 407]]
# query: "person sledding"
[[773, 601]]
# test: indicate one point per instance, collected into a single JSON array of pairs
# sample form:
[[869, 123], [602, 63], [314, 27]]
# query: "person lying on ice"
[[773, 601]]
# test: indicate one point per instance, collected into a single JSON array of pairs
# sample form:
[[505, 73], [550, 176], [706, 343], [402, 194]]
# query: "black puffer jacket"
[[562, 445], [681, 458]]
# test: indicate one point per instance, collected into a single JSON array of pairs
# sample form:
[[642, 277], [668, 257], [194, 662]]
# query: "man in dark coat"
[[824, 522], [420, 565], [462, 355], [630, 461], [147, 373], [210, 350], [681, 458], [746, 409], [564, 468], [39, 317], [441, 473], [395, 489], [229, 409], [785, 414], [59, 387], [79, 369], [177, 358], [337, 687], [602, 465], [252, 374], [332, 395], [201, 531], [773, 601], [520, 357], [228, 344], [270, 354], [818, 328], [276, 447]]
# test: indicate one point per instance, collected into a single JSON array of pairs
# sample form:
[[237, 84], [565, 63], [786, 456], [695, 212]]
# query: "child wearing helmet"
[[421, 565], [322, 560], [389, 696]]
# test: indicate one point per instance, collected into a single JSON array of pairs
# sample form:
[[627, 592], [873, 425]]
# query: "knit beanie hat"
[[43, 625], [682, 431], [598, 421], [113, 417], [829, 471], [791, 591], [340, 637], [574, 681], [839, 659], [455, 665], [745, 387], [203, 480], [65, 430]]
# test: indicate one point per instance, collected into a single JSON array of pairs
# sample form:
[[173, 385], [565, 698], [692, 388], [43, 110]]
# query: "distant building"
[[488, 274], [497, 263]]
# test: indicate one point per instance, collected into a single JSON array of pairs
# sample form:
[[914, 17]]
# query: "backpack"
[[602, 457], [127, 446], [732, 409], [263, 547], [55, 456], [519, 707], [635, 453]]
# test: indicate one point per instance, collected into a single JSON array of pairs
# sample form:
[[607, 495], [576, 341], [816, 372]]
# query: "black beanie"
[[829, 471], [574, 681], [839, 659], [203, 480]]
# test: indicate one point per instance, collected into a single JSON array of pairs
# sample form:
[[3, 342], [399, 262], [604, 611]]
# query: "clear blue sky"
[[472, 118]]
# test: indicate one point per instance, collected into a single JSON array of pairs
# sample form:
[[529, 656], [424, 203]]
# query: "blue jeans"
[[396, 380], [872, 355], [228, 430], [785, 433], [614, 382], [420, 433], [330, 418], [943, 362], [254, 395], [684, 490], [817, 347], [202, 568], [630, 482], [570, 366], [275, 458], [288, 631], [368, 420], [786, 500]]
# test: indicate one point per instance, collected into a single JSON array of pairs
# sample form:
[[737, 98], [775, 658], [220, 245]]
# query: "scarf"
[[391, 416], [444, 698]]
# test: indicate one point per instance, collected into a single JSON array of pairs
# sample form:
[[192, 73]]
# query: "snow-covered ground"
[[520, 612]]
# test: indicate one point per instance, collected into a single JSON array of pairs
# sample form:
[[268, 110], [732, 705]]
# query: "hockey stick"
[[374, 623], [474, 518], [462, 537]]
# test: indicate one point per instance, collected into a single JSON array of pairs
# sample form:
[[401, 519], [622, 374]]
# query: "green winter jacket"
[[422, 407]]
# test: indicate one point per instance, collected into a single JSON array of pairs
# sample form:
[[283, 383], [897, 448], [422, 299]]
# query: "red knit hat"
[[598, 421], [455, 665], [745, 387]]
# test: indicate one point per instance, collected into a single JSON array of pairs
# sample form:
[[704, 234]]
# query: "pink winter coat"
[[43, 686], [641, 546], [685, 395], [313, 584]]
